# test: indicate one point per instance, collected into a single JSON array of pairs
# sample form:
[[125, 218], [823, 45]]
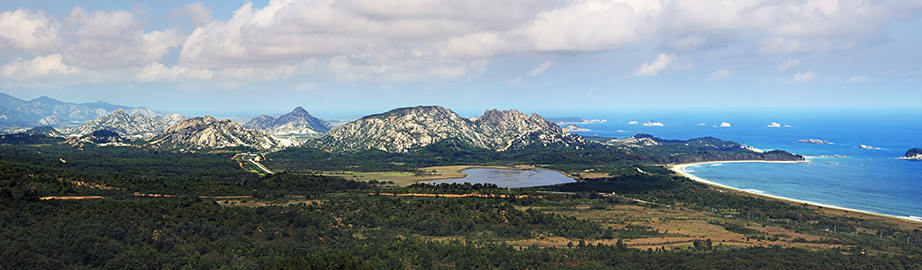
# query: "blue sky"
[[337, 57]]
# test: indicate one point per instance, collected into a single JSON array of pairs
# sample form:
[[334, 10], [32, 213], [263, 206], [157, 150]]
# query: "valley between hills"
[[167, 191]]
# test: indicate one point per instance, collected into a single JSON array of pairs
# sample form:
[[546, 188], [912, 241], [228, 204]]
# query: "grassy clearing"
[[408, 178], [680, 226]]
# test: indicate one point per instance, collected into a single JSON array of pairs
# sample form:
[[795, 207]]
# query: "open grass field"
[[408, 178]]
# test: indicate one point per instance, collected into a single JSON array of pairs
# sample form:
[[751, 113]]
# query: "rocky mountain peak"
[[136, 125], [171, 118], [119, 113], [404, 129], [206, 132], [299, 111], [298, 121]]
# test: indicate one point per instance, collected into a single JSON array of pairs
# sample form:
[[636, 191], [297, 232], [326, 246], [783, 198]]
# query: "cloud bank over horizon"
[[338, 43]]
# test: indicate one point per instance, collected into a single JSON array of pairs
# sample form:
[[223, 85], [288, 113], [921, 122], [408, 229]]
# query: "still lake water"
[[508, 178]]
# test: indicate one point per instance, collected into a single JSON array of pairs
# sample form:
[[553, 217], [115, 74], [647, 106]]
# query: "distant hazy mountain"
[[403, 129], [135, 125], [46, 111], [209, 133], [298, 121]]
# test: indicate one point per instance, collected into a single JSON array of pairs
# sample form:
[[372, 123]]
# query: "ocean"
[[871, 180]]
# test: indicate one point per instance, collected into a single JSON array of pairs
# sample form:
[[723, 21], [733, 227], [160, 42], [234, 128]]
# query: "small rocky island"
[[813, 141], [913, 154], [572, 128], [866, 147]]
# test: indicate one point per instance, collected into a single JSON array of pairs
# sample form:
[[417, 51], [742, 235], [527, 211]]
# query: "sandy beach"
[[680, 169]]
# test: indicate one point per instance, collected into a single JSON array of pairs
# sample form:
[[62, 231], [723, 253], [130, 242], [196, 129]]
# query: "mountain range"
[[398, 131], [46, 111], [403, 129], [209, 133], [136, 125]]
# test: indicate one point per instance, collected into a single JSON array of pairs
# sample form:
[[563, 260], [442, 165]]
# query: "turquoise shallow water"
[[868, 179]]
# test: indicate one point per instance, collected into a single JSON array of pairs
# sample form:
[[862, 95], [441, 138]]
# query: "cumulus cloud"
[[398, 41], [28, 30], [159, 72], [787, 64], [38, 67], [115, 40], [195, 11], [720, 75]]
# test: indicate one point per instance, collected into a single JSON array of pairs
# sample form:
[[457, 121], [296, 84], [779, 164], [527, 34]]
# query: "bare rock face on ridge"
[[209, 133], [401, 130], [135, 125], [298, 121]]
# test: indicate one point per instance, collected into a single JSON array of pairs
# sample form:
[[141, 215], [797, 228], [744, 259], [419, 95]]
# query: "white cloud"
[[538, 71], [724, 124], [787, 64], [38, 67], [720, 75], [28, 30], [591, 26], [159, 72], [195, 11], [414, 40], [803, 77], [662, 61], [115, 40]]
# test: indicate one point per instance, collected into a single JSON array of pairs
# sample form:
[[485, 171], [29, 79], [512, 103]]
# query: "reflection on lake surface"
[[508, 178]]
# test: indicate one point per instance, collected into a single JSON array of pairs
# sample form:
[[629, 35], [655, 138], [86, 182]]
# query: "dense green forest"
[[302, 220]]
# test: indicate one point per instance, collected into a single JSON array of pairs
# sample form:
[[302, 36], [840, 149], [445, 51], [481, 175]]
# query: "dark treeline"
[[57, 170]]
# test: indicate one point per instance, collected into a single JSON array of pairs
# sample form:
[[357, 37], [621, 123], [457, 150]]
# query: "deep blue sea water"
[[868, 179]]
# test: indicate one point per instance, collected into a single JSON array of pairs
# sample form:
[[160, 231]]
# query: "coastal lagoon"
[[506, 178], [870, 180]]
